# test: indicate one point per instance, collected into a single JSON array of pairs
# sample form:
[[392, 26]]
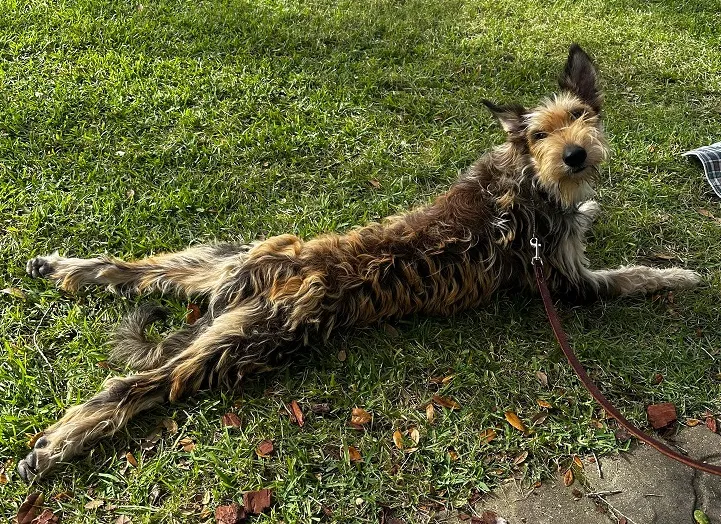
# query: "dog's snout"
[[574, 155]]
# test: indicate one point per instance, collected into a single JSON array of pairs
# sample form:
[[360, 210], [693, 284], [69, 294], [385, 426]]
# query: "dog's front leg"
[[631, 280]]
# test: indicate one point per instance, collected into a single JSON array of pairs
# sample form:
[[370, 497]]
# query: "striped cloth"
[[710, 158]]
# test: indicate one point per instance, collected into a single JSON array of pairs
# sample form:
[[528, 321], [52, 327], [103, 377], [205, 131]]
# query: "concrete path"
[[642, 487]]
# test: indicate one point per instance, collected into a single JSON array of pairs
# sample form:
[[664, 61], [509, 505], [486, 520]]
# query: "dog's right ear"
[[580, 78], [510, 116]]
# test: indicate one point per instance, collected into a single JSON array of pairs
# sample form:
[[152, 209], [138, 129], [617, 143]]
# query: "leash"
[[562, 339]]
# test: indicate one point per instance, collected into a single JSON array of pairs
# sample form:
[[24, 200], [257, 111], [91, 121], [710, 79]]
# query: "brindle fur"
[[270, 298]]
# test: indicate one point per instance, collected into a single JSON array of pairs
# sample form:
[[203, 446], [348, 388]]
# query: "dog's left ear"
[[510, 116], [580, 78]]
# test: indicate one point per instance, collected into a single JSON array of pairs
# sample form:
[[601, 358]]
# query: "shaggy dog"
[[269, 298]]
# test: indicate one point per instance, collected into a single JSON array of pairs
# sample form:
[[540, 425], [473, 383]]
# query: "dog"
[[268, 299]]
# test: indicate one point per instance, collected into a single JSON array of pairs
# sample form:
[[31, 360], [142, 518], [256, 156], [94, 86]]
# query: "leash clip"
[[536, 244]]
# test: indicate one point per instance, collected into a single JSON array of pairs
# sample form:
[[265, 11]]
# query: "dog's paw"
[[678, 278], [40, 460], [42, 267], [590, 209]]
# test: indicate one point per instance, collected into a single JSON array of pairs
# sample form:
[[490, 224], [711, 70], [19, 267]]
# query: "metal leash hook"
[[536, 244]]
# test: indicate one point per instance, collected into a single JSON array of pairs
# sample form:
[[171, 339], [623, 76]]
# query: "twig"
[[598, 466], [604, 493], [616, 512]]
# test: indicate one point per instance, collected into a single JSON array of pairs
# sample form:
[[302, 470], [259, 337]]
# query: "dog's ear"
[[580, 78], [510, 116]]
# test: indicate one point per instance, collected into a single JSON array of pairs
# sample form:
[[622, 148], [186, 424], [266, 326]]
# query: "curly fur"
[[268, 299]]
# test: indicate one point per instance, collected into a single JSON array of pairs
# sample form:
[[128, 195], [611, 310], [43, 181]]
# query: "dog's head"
[[563, 135]]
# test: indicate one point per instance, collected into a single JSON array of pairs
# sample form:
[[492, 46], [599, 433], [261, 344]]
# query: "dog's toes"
[[37, 462], [39, 267], [26, 467]]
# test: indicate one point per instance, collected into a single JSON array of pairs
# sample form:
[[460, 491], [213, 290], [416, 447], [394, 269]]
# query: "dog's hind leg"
[[193, 271], [243, 340]]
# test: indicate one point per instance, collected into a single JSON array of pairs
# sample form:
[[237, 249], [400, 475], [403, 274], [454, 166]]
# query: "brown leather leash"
[[552, 315]]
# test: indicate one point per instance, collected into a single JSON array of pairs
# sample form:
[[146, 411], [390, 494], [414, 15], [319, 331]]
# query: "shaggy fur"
[[270, 298]]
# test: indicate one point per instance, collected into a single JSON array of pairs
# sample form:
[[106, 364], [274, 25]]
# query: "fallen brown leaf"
[[123, 519], [539, 418], [32, 439], [354, 455], [264, 449], [577, 462], [711, 423], [430, 413], [709, 214], [256, 502], [453, 454], [187, 444], [193, 314], [46, 517], [657, 378], [63, 496], [3, 478], [374, 183], [14, 292], [297, 413], [542, 378], [520, 458], [360, 417], [232, 514], [692, 422], [446, 402], [28, 510], [170, 425], [131, 459], [568, 477], [415, 435], [230, 420], [487, 435], [543, 403], [398, 439], [94, 504], [577, 494], [516, 422], [320, 409], [661, 415], [487, 517], [342, 355]]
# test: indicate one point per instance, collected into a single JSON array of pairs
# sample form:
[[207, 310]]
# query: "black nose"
[[574, 156]]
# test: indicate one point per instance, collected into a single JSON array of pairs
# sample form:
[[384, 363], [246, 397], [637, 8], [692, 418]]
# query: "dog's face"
[[563, 135]]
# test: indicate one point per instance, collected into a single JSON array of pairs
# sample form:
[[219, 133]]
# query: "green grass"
[[130, 129]]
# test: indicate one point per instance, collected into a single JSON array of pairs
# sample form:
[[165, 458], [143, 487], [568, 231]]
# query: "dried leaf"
[[577, 462], [544, 403], [3, 478], [487, 435], [63, 496], [232, 514], [354, 455], [14, 292], [453, 453], [28, 510], [264, 449], [320, 409], [516, 422], [398, 439], [441, 380], [622, 435], [415, 435], [539, 418], [711, 424], [94, 504], [692, 422], [657, 378], [342, 355], [489, 517], [187, 444], [131, 459], [520, 458], [374, 183], [391, 331], [123, 519], [46, 517], [360, 417], [193, 314], [256, 502], [170, 425], [542, 378], [446, 402], [577, 494], [230, 420], [663, 256], [297, 413], [430, 413], [709, 214], [568, 477], [661, 415]]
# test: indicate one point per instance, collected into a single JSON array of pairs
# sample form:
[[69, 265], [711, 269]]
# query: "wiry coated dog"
[[269, 298]]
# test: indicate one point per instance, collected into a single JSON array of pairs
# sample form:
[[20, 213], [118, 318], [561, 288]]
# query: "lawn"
[[133, 128]]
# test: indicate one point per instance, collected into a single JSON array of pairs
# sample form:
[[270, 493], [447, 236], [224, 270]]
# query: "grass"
[[131, 129]]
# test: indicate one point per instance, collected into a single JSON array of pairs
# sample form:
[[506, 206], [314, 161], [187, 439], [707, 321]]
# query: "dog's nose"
[[574, 156]]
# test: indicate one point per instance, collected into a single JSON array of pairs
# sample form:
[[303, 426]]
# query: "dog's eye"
[[577, 113], [539, 135]]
